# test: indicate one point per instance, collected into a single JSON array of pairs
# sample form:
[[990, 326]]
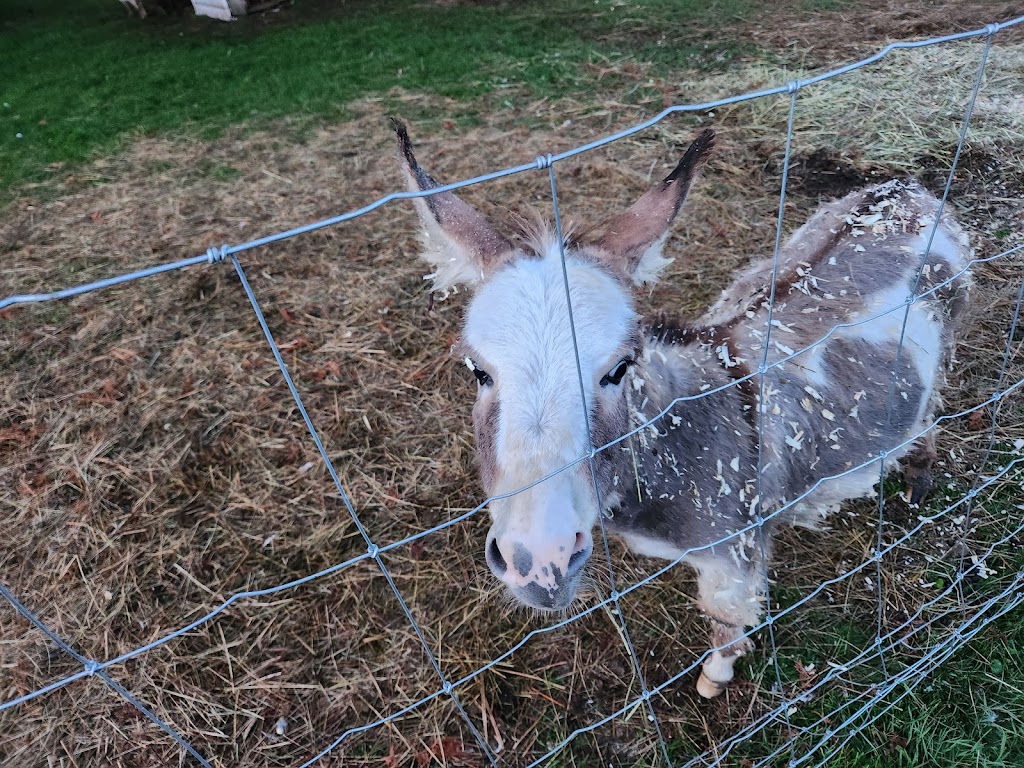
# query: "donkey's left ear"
[[631, 243], [457, 241]]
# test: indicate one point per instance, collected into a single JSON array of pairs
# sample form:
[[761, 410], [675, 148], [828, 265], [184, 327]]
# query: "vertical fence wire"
[[762, 405], [371, 548], [592, 465], [911, 626], [1005, 601], [913, 298], [972, 492]]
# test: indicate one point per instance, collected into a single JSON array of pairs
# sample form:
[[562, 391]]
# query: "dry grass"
[[906, 109], [153, 462]]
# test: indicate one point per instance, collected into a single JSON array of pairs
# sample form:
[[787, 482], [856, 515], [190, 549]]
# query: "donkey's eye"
[[614, 376], [483, 378]]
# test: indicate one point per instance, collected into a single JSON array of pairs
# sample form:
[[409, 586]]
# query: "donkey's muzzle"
[[545, 577]]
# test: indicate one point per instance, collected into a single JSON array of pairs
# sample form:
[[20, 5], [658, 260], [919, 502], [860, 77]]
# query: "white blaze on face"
[[518, 330]]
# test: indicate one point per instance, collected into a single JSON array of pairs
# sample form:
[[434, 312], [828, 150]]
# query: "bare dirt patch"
[[828, 36], [153, 463]]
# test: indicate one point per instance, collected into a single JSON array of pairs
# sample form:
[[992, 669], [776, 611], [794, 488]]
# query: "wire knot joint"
[[793, 86], [91, 667], [215, 254], [543, 161]]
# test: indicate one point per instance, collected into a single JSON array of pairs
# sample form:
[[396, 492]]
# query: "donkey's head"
[[529, 416]]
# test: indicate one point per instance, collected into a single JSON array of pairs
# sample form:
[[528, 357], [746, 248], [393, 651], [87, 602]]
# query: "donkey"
[[714, 450]]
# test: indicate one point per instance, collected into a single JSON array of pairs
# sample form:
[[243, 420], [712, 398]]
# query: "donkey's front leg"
[[730, 596], [718, 667]]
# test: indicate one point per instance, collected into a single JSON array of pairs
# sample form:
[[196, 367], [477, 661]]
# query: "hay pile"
[[152, 462]]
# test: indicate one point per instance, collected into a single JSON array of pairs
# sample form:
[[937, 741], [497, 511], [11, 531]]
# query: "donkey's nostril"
[[494, 559], [577, 560], [580, 553]]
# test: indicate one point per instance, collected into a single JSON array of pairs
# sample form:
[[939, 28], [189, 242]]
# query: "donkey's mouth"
[[544, 599]]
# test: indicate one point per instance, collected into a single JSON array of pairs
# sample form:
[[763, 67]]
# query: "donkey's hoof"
[[918, 487], [709, 688], [917, 473]]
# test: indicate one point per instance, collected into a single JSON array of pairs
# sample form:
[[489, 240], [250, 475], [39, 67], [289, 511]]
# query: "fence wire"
[[827, 734]]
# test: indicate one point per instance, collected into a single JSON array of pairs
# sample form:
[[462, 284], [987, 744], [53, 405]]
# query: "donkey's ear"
[[631, 242], [457, 241]]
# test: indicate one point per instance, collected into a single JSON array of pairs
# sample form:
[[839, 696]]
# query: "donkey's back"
[[872, 288]]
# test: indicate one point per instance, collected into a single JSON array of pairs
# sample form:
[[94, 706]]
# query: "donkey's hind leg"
[[731, 598], [917, 468]]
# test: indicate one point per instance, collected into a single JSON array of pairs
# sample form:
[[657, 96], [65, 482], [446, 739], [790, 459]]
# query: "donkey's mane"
[[536, 236], [667, 328]]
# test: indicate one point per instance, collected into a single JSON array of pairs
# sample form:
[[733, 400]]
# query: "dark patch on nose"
[[522, 559], [544, 599], [539, 597]]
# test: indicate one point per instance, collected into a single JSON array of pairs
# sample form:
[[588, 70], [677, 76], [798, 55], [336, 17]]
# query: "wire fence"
[[807, 743]]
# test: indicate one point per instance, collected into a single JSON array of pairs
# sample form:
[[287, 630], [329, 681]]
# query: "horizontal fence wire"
[[828, 733]]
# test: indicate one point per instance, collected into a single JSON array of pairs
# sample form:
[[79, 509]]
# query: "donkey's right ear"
[[631, 242], [457, 241]]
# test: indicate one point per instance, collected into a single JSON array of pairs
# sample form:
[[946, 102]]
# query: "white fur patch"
[[453, 264], [922, 340], [950, 243], [648, 547], [651, 264], [719, 668], [518, 329]]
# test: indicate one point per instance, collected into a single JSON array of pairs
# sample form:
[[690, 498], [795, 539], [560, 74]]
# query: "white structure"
[[225, 10]]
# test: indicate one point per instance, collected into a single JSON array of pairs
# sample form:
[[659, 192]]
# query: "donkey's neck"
[[683, 477]]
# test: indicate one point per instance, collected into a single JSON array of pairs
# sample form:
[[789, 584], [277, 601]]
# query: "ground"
[[153, 463]]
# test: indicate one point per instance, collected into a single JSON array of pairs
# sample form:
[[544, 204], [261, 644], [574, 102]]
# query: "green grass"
[[81, 77], [969, 711]]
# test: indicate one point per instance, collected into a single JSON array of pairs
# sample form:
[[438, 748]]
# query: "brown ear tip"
[[694, 157], [404, 143], [400, 130]]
